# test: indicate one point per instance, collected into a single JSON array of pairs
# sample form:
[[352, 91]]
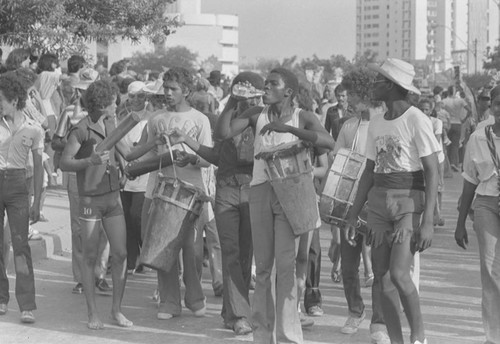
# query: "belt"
[[13, 172], [233, 180]]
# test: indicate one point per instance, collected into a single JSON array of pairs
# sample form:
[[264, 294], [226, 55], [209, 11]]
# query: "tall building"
[[445, 33], [206, 34], [395, 28]]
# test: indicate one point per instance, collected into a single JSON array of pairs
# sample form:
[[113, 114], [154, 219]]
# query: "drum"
[[290, 172], [175, 208], [340, 186]]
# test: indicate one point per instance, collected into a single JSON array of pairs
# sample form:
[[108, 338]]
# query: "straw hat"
[[398, 71], [87, 76]]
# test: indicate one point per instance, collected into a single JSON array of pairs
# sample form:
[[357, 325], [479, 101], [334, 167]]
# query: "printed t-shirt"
[[138, 184], [193, 123], [15, 147], [397, 145]]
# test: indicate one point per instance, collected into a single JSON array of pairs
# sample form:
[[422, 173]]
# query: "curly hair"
[[180, 75], [26, 76], [16, 58], [45, 63], [359, 81], [99, 96], [12, 88]]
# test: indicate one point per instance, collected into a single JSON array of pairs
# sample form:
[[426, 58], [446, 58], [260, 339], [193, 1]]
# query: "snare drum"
[[340, 186], [289, 169], [175, 208]]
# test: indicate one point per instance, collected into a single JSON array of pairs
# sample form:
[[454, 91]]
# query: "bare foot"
[[95, 323], [120, 320]]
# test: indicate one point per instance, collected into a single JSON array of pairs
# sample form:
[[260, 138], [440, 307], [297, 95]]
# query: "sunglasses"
[[139, 96]]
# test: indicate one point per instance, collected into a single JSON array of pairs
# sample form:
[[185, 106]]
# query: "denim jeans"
[[192, 259], [487, 227], [454, 135], [312, 296], [14, 200], [132, 207], [351, 257], [275, 316], [232, 214]]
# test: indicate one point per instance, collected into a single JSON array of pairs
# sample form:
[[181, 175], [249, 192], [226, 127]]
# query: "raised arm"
[[210, 154], [227, 127], [71, 164]]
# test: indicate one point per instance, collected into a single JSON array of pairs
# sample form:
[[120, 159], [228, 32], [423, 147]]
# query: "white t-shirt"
[[138, 184], [397, 145], [193, 123]]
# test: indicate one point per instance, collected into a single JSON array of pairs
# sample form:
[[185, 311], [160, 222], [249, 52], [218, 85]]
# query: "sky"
[[283, 28]]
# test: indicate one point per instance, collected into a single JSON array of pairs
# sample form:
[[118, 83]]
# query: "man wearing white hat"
[[400, 184]]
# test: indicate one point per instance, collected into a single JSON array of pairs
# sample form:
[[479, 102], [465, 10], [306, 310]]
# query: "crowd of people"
[[216, 133]]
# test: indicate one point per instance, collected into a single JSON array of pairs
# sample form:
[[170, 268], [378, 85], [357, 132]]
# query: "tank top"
[[266, 143]]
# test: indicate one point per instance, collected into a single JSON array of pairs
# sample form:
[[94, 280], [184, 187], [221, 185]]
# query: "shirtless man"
[[273, 239]]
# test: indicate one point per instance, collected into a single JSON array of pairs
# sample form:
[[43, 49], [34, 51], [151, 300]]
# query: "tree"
[[478, 80], [178, 56], [64, 26], [493, 60], [211, 63]]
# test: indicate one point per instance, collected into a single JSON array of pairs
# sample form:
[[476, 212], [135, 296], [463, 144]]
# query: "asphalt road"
[[450, 296]]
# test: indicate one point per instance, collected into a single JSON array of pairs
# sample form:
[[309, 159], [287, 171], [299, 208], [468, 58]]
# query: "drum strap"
[[356, 136]]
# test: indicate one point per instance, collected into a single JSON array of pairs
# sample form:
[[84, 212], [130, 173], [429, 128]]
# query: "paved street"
[[450, 296]]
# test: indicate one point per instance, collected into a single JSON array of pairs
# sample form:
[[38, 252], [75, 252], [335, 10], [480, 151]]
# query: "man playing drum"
[[178, 82], [234, 159], [279, 122], [400, 183], [353, 136]]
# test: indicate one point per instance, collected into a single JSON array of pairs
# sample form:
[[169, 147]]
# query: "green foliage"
[[211, 63], [64, 26], [478, 80], [178, 56]]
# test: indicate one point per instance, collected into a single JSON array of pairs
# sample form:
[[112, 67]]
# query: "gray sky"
[[283, 28]]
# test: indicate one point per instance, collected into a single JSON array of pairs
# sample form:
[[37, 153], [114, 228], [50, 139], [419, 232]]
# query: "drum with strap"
[[340, 186], [289, 170], [175, 208]]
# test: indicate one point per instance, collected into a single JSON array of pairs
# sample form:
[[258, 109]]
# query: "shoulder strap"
[[356, 136]]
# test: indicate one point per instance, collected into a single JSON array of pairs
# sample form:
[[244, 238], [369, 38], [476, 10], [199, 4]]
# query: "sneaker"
[[102, 285], [200, 312], [304, 321], [380, 337], [419, 342], [3, 308], [78, 289], [351, 325], [27, 317], [315, 311], [33, 234], [242, 327], [163, 314]]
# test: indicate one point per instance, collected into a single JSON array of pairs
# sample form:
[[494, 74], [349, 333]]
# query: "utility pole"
[[475, 56]]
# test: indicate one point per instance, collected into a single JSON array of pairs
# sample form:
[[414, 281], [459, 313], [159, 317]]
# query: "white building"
[[203, 33], [446, 33]]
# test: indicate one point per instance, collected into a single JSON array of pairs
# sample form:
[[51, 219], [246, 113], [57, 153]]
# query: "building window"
[[375, 25], [375, 44], [375, 16]]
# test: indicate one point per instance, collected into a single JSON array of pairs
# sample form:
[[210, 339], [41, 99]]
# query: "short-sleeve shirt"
[[15, 147], [397, 145], [236, 155], [134, 135], [478, 166], [437, 127], [193, 123], [94, 180]]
